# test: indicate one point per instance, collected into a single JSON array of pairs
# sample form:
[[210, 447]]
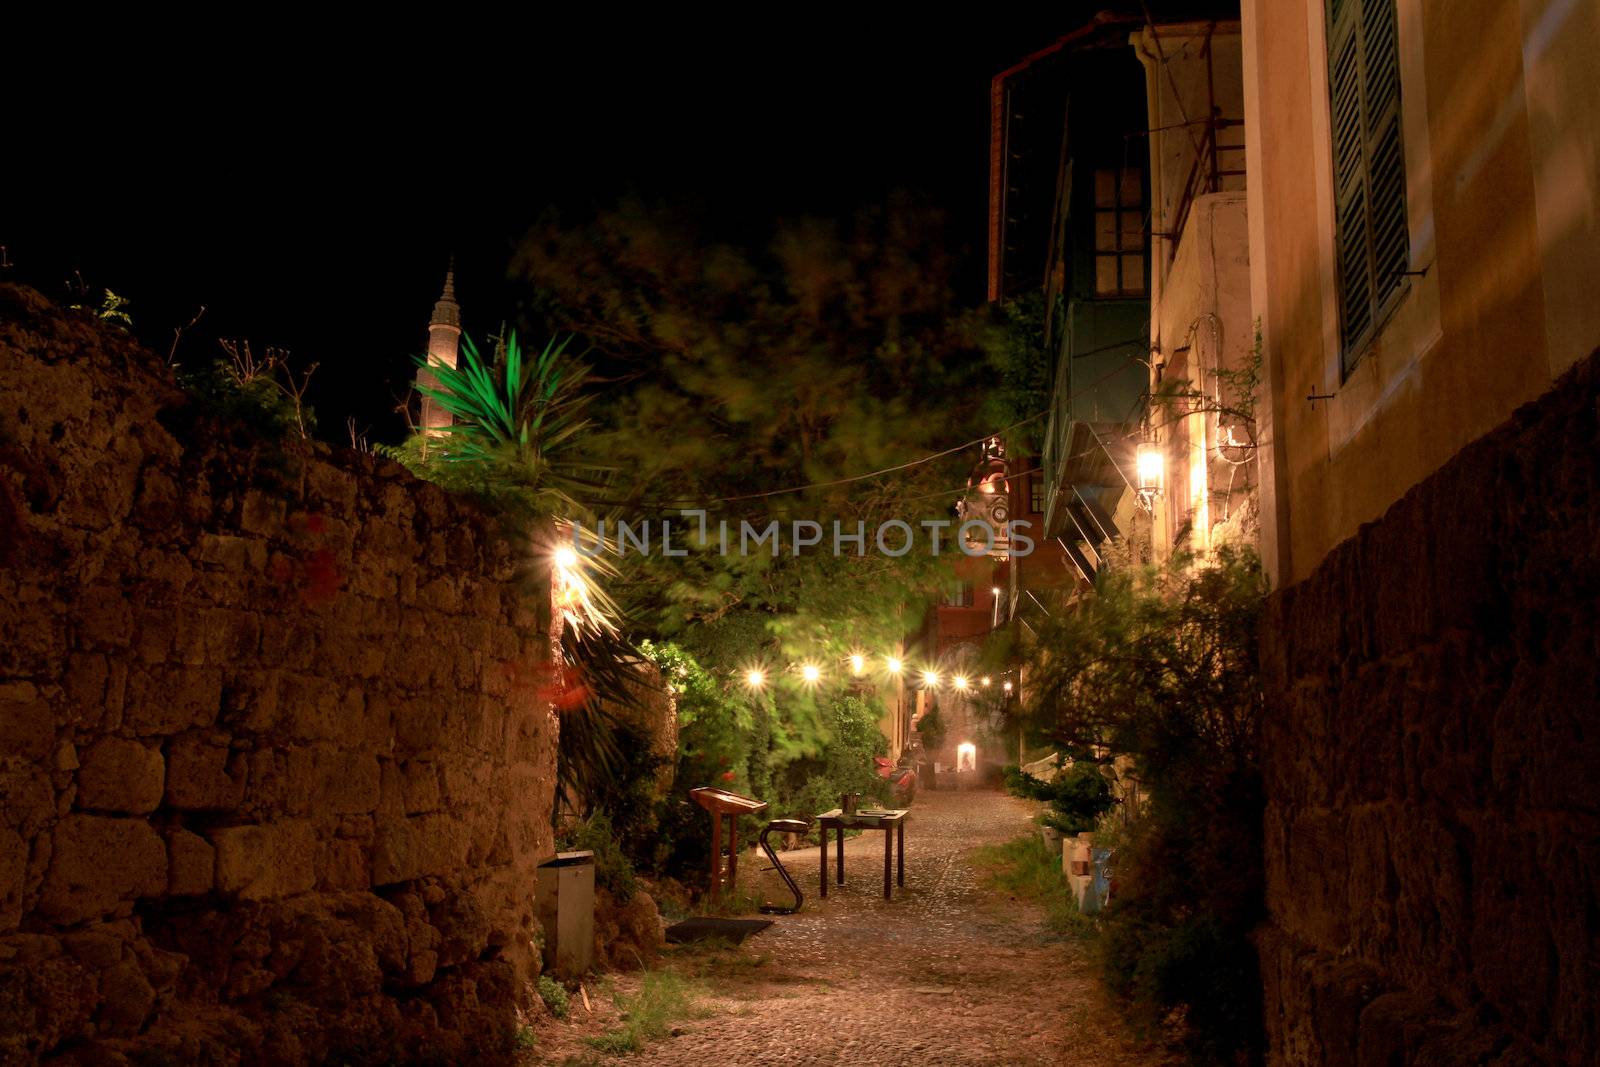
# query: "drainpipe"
[[1158, 219]]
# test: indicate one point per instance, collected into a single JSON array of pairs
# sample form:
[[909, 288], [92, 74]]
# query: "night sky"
[[311, 202]]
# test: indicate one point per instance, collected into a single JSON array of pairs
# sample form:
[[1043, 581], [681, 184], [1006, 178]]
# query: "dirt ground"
[[948, 972]]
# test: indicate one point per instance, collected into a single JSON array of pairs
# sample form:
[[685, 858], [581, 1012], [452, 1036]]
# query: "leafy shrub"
[[612, 868], [931, 728], [1078, 796], [554, 996], [1162, 665], [256, 400]]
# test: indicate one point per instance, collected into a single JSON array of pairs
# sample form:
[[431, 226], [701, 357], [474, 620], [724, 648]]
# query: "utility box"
[[566, 910]]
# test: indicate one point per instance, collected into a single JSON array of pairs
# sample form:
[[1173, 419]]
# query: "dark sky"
[[311, 201]]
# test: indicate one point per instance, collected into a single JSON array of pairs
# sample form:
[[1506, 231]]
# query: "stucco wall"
[[1433, 821], [274, 767], [1202, 324], [1493, 223]]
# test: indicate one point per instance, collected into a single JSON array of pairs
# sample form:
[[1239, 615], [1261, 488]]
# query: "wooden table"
[[891, 822]]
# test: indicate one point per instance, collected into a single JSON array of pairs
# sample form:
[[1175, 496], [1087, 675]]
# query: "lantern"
[[988, 500], [1151, 466]]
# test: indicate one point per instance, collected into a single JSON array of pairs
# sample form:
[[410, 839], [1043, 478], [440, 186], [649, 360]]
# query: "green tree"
[[826, 352]]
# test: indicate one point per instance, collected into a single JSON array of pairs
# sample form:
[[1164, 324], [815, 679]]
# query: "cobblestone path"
[[949, 972]]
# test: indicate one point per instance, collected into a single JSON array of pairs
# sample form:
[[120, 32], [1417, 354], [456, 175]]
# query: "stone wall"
[[274, 767], [1433, 825]]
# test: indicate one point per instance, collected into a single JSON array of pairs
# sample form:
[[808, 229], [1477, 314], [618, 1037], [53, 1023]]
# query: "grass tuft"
[[648, 1015], [1025, 868], [554, 996]]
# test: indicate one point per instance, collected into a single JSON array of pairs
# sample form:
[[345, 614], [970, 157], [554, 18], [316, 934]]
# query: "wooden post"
[[716, 854], [824, 861], [888, 859], [900, 824]]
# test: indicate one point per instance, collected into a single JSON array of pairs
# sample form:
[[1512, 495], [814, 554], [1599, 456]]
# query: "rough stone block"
[[263, 513], [229, 552], [420, 786], [326, 780], [13, 871], [126, 998], [203, 775], [230, 636], [191, 863], [85, 683], [167, 701], [27, 723], [98, 863], [121, 775], [343, 866], [407, 849], [105, 619], [42, 1004], [269, 860], [251, 700]]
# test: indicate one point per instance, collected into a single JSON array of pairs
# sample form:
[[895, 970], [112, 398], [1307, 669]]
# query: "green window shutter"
[[1371, 240]]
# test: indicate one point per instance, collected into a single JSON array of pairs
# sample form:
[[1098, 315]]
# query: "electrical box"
[[566, 910]]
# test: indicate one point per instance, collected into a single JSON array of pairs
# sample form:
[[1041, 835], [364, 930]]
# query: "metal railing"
[[1213, 164]]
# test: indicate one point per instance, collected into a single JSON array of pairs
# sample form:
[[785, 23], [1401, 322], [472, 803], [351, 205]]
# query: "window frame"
[[1138, 211], [1365, 302]]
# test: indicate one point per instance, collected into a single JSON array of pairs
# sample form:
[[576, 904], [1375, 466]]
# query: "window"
[[1119, 232], [1036, 493], [1370, 239], [959, 595]]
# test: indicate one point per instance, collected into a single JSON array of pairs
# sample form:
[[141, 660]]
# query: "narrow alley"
[[950, 971]]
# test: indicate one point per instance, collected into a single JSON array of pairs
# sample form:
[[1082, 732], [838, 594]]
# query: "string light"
[[1007, 687], [755, 678], [894, 665], [984, 681], [930, 678], [858, 664], [566, 558], [961, 682], [811, 673]]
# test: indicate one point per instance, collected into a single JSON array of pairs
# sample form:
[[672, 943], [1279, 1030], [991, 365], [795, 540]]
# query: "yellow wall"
[[1500, 209]]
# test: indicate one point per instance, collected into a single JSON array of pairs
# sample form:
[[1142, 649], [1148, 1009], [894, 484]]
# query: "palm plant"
[[518, 427], [516, 441]]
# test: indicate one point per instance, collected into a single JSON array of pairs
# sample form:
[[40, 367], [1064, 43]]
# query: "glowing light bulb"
[[994, 590], [984, 681], [930, 678], [961, 682], [811, 672], [858, 664], [895, 665], [1151, 468], [1007, 687], [755, 678], [566, 558]]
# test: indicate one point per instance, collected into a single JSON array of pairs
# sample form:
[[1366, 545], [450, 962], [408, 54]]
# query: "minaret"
[[444, 340]]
